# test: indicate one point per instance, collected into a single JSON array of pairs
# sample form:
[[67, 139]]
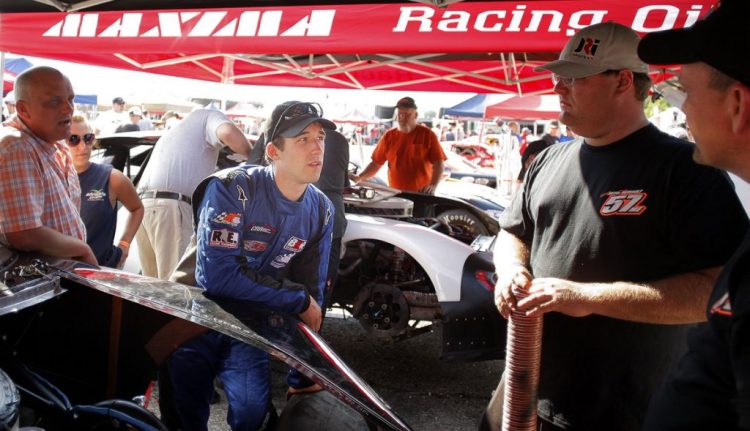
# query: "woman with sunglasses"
[[101, 188]]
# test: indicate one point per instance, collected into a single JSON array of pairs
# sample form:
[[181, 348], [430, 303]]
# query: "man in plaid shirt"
[[39, 191]]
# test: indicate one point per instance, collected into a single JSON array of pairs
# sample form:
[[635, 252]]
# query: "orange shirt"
[[410, 157]]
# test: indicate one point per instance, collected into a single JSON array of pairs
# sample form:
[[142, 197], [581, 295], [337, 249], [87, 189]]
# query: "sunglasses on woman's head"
[[88, 138]]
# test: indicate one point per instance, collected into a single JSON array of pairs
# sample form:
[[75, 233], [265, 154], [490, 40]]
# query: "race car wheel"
[[382, 310], [466, 225]]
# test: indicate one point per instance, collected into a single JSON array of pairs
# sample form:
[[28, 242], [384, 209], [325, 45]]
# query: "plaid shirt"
[[38, 183]]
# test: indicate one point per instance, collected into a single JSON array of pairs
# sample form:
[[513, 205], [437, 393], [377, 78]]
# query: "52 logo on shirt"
[[623, 202]]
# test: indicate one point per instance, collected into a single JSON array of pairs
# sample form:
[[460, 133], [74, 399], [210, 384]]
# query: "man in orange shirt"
[[413, 152]]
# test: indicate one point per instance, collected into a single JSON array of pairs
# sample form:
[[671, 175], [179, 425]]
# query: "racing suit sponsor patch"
[[262, 228], [295, 244], [282, 260], [231, 219], [251, 245], [224, 238]]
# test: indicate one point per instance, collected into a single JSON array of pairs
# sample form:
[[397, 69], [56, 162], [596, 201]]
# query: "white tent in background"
[[246, 110]]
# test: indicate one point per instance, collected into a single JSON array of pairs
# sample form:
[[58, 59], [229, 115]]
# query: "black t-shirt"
[[710, 388], [636, 210]]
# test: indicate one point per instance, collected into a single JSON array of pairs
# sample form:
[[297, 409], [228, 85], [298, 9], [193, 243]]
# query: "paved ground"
[[427, 393]]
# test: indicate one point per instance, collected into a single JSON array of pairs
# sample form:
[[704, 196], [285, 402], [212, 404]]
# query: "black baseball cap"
[[406, 102], [717, 40], [290, 118], [118, 101]]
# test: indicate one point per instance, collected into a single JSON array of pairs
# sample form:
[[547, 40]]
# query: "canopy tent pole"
[[226, 78], [2, 65]]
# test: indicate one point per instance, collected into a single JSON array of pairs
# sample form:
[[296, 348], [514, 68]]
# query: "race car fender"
[[473, 329], [442, 258]]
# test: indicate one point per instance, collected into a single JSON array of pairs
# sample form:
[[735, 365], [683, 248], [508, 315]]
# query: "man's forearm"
[[679, 299], [437, 173], [509, 250], [47, 241], [368, 172]]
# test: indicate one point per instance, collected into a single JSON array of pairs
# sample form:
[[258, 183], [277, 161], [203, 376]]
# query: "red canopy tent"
[[486, 47], [545, 107]]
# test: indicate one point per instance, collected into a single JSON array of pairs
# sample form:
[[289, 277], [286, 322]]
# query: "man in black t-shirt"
[[710, 387], [617, 237]]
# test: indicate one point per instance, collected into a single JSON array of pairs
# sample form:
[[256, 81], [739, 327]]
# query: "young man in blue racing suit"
[[263, 235]]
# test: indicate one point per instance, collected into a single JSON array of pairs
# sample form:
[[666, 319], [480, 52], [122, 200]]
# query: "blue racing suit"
[[253, 244]]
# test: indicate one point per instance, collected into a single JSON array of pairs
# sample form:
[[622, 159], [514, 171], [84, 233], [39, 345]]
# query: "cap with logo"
[[596, 49], [118, 101], [289, 119], [406, 102], [716, 40], [135, 111]]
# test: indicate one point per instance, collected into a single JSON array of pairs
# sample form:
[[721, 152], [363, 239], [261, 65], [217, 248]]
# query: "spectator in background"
[[459, 131], [181, 158], [102, 187], [450, 135], [108, 121], [10, 105], [170, 119], [414, 155], [144, 123], [515, 130], [119, 155], [524, 139], [39, 190], [529, 155], [136, 118], [568, 135], [553, 133]]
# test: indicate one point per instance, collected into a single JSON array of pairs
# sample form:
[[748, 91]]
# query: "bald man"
[[39, 190]]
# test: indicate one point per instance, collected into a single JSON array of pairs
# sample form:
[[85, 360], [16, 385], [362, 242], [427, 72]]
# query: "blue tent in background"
[[86, 99], [17, 65], [472, 107]]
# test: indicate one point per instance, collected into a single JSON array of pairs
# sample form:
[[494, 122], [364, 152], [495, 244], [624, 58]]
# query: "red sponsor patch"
[[295, 244], [255, 245], [623, 202], [231, 219]]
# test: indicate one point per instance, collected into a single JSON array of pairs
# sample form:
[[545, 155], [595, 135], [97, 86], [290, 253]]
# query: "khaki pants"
[[164, 234]]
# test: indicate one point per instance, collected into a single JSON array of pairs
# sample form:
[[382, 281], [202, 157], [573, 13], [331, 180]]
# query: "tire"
[[469, 224]]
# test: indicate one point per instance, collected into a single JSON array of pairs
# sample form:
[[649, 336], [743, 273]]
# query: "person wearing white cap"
[[611, 240], [709, 388], [10, 103], [138, 118]]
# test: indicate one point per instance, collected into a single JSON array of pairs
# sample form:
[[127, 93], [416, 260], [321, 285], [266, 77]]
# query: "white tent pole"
[[2, 64]]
